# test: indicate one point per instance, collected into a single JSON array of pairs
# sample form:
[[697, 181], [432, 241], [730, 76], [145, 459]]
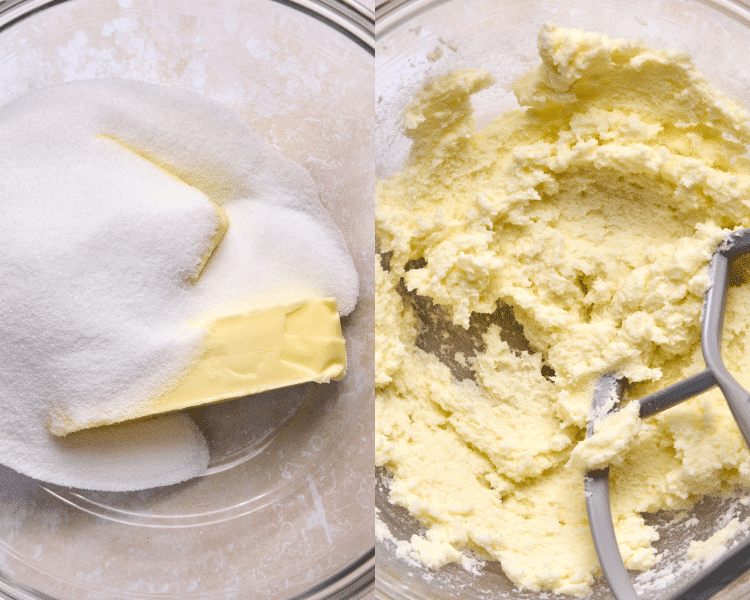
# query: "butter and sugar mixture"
[[592, 211]]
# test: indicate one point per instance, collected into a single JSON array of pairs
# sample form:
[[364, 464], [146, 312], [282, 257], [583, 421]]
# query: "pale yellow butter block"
[[246, 353]]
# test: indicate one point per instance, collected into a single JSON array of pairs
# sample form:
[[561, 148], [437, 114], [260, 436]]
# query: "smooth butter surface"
[[245, 354]]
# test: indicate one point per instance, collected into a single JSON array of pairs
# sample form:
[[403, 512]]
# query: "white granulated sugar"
[[105, 214]]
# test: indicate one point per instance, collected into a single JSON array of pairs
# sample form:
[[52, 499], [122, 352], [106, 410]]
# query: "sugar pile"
[[107, 189]]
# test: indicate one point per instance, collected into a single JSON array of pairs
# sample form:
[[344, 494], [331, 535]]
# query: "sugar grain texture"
[[107, 212]]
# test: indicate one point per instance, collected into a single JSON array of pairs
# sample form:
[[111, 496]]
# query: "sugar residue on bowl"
[[592, 212], [109, 214]]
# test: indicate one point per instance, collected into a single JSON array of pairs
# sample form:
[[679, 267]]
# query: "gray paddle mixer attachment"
[[611, 387]]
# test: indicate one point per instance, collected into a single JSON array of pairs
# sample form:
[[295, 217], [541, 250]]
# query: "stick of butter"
[[245, 353]]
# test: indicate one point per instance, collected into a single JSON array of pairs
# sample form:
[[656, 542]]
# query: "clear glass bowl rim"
[[348, 17]]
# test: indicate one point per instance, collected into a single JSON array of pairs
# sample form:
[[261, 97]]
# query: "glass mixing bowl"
[[286, 508], [422, 38]]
